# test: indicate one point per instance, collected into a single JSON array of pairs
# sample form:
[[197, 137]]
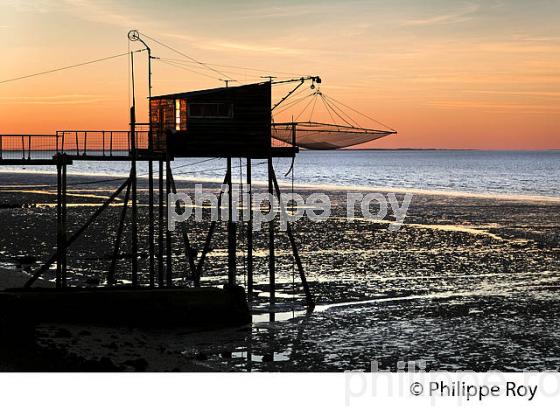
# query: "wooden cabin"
[[228, 121]]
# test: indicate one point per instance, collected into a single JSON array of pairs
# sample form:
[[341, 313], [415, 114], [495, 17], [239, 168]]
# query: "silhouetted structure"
[[227, 122]]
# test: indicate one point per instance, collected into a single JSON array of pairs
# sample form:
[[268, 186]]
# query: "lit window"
[[178, 115]]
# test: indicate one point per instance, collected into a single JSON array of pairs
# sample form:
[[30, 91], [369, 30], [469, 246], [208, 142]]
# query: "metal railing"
[[99, 143], [76, 143], [105, 143], [28, 146], [283, 135]]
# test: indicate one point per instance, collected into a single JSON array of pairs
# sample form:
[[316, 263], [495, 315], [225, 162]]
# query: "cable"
[[305, 108], [313, 108], [191, 71], [211, 169], [182, 63], [336, 113], [358, 112], [291, 99], [328, 110], [123, 178], [337, 109], [241, 68], [293, 103], [68, 67], [187, 56]]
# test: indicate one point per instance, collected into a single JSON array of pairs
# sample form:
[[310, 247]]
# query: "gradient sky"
[[444, 73]]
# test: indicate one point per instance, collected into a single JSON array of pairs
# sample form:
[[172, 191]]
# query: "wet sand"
[[468, 283]]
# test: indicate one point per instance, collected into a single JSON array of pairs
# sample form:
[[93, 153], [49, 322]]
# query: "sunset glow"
[[444, 74]]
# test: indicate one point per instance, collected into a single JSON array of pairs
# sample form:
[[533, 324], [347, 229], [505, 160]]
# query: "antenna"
[[228, 81], [134, 35]]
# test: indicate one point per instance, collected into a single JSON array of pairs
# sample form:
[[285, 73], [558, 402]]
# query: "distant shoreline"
[[452, 149]]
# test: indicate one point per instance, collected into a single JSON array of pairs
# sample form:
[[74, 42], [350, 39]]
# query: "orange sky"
[[445, 74]]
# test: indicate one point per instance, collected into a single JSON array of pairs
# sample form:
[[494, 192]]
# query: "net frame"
[[324, 136]]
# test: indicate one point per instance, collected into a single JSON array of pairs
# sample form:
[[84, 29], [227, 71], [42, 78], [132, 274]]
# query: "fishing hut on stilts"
[[228, 122]]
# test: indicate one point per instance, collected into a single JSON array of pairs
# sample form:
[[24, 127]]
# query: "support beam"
[[64, 216], [118, 240], [271, 256], [188, 250], [134, 198], [160, 226], [308, 296], [59, 239], [250, 235], [168, 248], [75, 235], [232, 230], [208, 241], [151, 235]]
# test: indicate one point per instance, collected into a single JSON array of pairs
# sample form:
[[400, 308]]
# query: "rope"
[[336, 113], [194, 60], [358, 112], [210, 169], [246, 76], [54, 70], [240, 68], [186, 69], [313, 108], [121, 178], [305, 108], [327, 108], [293, 103], [341, 111]]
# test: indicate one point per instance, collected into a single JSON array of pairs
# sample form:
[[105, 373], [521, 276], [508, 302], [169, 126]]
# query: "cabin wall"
[[247, 129]]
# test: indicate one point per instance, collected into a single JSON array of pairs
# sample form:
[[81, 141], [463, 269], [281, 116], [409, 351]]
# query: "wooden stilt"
[[160, 227], [188, 250], [134, 198], [168, 248], [208, 241], [249, 235], [308, 296], [271, 256], [232, 230], [64, 216], [118, 239], [151, 238], [75, 235], [59, 240]]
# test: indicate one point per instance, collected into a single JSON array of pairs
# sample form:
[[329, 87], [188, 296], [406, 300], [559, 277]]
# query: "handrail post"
[[77, 145], [1, 147], [111, 143], [103, 142]]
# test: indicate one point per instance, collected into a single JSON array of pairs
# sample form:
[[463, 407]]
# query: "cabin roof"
[[195, 93]]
